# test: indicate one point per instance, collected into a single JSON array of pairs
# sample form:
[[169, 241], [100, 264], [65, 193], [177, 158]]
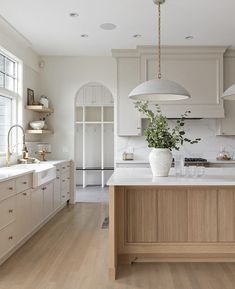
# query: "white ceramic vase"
[[160, 162]]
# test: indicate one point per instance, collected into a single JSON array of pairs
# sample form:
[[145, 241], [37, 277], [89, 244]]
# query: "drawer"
[[7, 189], [65, 196], [65, 184], [58, 170], [7, 239], [65, 167], [24, 183], [7, 211]]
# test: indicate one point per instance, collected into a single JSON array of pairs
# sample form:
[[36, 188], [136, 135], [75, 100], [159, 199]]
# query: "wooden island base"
[[171, 224]]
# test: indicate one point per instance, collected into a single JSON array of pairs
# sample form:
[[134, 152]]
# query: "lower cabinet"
[[37, 207], [48, 200], [172, 215], [7, 239], [23, 213]]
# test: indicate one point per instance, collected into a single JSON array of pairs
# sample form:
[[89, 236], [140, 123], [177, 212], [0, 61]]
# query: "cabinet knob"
[[24, 183], [68, 178], [25, 194], [63, 168], [10, 189], [10, 237], [57, 170], [10, 211], [63, 181], [58, 178], [68, 166]]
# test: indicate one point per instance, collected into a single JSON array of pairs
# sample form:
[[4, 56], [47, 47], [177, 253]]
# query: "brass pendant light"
[[159, 89]]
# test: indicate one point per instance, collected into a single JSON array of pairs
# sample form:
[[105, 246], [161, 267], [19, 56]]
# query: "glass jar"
[[223, 155]]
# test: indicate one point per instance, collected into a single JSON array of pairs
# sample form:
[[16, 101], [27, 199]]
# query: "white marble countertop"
[[14, 171], [143, 177]]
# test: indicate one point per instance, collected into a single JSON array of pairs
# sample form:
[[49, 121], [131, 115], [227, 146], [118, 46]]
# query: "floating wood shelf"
[[39, 108], [39, 131]]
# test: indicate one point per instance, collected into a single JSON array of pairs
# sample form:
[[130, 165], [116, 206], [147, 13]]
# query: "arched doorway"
[[94, 142]]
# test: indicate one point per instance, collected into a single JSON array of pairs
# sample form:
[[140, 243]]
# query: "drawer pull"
[[44, 188], [63, 181], [63, 196], [10, 237], [68, 166], [24, 183], [58, 178], [63, 168], [68, 178], [10, 189], [10, 211], [57, 170], [25, 194]]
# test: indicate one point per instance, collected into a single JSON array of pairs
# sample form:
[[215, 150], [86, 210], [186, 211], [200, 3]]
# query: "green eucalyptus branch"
[[158, 134]]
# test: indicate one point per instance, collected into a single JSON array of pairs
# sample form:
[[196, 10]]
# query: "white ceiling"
[[46, 24]]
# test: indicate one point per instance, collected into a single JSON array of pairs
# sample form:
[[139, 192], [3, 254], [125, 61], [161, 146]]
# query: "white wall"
[[14, 43], [61, 79]]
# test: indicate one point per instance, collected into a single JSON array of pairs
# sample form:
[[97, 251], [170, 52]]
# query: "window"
[[9, 97], [5, 121], [8, 73]]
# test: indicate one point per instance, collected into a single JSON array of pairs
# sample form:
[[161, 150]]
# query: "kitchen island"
[[171, 219]]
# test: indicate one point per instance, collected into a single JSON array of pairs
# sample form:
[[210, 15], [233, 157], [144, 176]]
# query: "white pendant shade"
[[229, 93], [159, 90]]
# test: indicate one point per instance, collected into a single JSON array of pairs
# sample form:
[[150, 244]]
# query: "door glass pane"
[[1, 79], [2, 63], [10, 67], [10, 83]]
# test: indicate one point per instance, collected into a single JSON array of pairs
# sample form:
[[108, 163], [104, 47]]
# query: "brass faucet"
[[24, 150]]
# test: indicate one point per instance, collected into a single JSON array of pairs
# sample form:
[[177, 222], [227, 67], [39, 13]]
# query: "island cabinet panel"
[[172, 215], [226, 215], [202, 215], [141, 215]]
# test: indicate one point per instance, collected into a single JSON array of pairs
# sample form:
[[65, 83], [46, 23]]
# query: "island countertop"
[[144, 177]]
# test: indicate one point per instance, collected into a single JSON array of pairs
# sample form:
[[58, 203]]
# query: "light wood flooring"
[[71, 251]]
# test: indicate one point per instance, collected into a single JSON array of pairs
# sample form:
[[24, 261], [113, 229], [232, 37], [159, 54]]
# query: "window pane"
[[2, 62], [10, 67], [10, 83], [2, 79], [5, 121]]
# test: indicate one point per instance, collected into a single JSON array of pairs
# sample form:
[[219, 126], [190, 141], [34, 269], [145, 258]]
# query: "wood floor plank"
[[71, 252]]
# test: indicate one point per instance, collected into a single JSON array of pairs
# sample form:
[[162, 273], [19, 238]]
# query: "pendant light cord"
[[159, 74]]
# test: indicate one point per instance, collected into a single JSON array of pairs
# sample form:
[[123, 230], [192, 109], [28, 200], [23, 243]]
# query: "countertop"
[[143, 177], [14, 171]]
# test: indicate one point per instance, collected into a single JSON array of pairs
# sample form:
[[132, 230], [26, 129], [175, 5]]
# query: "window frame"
[[15, 96]]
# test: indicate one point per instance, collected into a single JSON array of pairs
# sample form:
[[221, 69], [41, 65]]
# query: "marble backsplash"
[[207, 148]]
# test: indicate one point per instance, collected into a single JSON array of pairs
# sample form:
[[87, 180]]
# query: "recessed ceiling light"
[[84, 35], [73, 14], [108, 26], [190, 37], [137, 35]]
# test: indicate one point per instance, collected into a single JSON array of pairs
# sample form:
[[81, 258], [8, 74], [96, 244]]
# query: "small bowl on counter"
[[37, 124]]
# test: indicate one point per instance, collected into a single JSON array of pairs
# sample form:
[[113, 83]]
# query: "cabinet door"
[[128, 116], [7, 211], [37, 207], [57, 193], [226, 215], [172, 215], [48, 200], [23, 214], [202, 215], [141, 214]]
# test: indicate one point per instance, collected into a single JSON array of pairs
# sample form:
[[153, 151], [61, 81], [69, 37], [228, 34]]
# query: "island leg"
[[112, 235]]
